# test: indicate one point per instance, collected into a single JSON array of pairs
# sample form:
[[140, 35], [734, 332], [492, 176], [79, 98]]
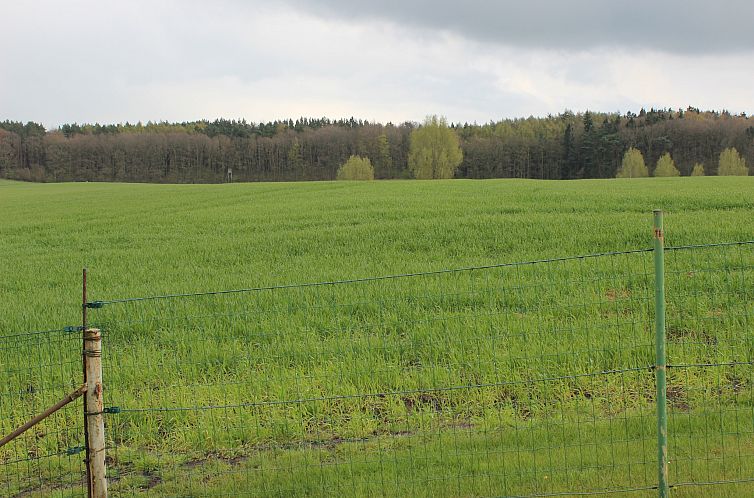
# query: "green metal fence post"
[[660, 359]]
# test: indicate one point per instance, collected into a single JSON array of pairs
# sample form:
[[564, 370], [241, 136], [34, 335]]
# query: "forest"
[[564, 146]]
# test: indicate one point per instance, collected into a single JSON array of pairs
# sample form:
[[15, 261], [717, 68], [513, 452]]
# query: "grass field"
[[334, 389]]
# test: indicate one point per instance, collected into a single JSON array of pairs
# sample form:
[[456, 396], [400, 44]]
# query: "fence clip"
[[72, 328], [95, 304], [75, 450], [111, 409]]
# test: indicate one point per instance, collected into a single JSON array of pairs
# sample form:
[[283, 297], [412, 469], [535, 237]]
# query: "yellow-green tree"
[[666, 166], [732, 164], [434, 151], [698, 170], [356, 168], [632, 165]]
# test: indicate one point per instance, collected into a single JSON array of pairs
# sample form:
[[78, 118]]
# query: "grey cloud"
[[109, 61], [675, 26]]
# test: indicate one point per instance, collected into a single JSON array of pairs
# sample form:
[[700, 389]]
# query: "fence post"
[[660, 358], [95, 422]]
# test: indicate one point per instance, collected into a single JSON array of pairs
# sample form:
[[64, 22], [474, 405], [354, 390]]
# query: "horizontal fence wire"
[[37, 369], [531, 379], [96, 304]]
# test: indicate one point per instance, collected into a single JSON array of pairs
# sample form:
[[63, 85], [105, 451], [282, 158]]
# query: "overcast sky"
[[390, 60]]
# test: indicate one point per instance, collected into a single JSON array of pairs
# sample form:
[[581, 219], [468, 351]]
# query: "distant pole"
[[660, 357], [95, 422]]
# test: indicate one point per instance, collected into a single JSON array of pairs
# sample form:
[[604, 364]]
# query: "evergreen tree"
[[588, 122], [569, 160]]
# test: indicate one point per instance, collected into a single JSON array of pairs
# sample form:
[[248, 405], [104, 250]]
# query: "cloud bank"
[[87, 60], [677, 26]]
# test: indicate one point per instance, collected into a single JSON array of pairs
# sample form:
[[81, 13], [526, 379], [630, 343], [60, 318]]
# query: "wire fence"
[[473, 382], [710, 331], [523, 379], [36, 370]]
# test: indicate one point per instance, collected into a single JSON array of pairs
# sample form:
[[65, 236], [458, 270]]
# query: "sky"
[[387, 61]]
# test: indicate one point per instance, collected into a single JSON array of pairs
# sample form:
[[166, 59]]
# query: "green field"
[[482, 382]]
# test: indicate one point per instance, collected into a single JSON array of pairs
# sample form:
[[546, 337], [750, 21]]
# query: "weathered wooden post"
[[95, 422]]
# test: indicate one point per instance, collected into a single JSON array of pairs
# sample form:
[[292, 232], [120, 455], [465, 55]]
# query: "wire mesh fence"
[[36, 370], [523, 379], [710, 319], [520, 379]]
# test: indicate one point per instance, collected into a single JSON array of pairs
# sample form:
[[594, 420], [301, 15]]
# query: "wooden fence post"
[[95, 422]]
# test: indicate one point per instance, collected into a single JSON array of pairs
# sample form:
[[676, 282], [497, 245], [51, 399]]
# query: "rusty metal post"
[[660, 357], [95, 422]]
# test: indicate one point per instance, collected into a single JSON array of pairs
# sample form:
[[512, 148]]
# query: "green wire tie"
[[75, 450], [71, 328], [111, 409], [95, 304]]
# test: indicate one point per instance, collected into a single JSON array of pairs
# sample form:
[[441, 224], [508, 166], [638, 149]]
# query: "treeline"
[[566, 146]]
